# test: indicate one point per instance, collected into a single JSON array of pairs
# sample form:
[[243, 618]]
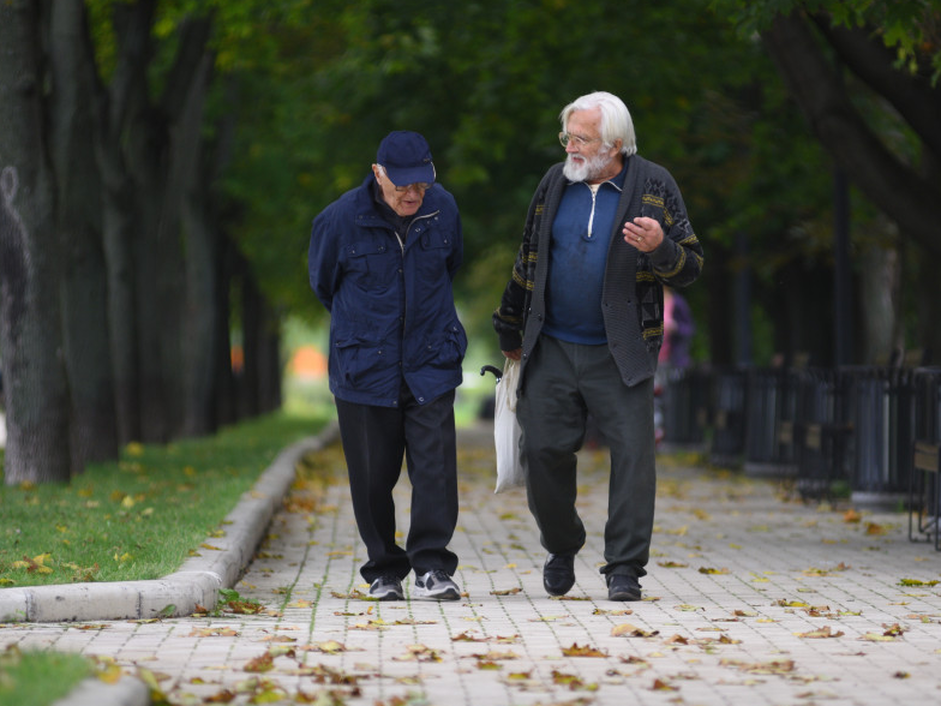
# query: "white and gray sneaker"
[[386, 588], [437, 586]]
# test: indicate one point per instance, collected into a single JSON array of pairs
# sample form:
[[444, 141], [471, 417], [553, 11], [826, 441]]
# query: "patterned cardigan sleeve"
[[509, 319]]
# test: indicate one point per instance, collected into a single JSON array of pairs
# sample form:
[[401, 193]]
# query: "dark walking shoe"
[[558, 575], [386, 588], [622, 587]]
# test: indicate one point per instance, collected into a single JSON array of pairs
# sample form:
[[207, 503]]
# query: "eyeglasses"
[[419, 186], [578, 140]]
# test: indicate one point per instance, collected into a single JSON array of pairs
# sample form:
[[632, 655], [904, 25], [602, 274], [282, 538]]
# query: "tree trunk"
[[227, 411], [122, 213], [35, 389], [880, 275], [84, 281]]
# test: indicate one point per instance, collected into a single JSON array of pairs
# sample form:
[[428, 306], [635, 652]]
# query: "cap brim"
[[424, 174]]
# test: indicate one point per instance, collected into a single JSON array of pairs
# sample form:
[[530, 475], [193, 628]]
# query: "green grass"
[[139, 518], [39, 678]]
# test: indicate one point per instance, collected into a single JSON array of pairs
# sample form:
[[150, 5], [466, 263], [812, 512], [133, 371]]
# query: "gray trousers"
[[564, 383]]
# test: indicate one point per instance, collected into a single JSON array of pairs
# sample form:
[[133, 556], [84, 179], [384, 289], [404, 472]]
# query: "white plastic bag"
[[511, 469]]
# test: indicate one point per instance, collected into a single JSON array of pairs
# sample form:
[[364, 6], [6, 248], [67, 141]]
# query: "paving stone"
[[752, 597]]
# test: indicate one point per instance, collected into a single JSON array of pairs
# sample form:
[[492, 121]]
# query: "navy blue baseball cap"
[[406, 158]]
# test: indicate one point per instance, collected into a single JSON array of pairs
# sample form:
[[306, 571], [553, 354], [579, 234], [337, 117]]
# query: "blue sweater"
[[581, 235]]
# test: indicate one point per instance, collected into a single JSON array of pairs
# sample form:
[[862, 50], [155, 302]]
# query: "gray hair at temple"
[[616, 122]]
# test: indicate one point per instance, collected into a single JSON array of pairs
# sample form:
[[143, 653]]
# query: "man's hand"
[[643, 233], [514, 355]]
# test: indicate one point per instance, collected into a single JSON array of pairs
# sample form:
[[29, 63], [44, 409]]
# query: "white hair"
[[616, 122]]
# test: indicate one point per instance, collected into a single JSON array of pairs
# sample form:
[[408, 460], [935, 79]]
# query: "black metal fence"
[[871, 433]]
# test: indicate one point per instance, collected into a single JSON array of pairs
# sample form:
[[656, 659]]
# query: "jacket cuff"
[[510, 341]]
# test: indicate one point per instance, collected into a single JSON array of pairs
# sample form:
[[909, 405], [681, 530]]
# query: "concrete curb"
[[198, 580], [93, 692]]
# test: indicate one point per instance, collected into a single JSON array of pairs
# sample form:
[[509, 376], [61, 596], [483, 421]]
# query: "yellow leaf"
[[578, 651], [628, 630], [109, 673], [134, 449], [823, 632]]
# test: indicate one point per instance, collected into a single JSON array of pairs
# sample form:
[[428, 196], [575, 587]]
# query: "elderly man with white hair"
[[583, 313]]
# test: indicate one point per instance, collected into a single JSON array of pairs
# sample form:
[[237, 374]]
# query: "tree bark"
[[84, 281], [202, 262], [35, 389], [897, 189], [122, 213]]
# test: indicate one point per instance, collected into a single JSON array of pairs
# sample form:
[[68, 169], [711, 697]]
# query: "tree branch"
[[895, 188], [911, 95]]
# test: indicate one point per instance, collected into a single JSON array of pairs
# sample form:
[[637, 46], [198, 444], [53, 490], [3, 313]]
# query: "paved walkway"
[[751, 598]]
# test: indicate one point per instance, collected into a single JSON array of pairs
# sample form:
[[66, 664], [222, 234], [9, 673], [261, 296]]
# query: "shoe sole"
[[624, 596], [391, 596], [570, 581], [448, 595]]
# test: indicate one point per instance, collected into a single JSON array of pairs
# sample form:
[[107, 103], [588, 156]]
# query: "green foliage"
[[912, 28], [141, 517], [485, 82], [39, 678], [312, 87]]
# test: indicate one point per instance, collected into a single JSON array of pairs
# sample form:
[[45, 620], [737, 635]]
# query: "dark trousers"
[[564, 382], [374, 442]]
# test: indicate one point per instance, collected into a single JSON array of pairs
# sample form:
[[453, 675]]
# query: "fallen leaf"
[[782, 666], [578, 651], [823, 632], [572, 681], [419, 653], [214, 632], [660, 685], [628, 630], [494, 656], [262, 663], [467, 637]]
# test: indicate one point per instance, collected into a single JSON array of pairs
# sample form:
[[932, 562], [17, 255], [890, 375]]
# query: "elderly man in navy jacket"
[[382, 258]]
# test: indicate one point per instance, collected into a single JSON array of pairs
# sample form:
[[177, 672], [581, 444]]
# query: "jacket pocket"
[[371, 264], [358, 359], [445, 349]]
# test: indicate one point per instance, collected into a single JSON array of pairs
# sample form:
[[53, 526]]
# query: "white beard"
[[586, 169]]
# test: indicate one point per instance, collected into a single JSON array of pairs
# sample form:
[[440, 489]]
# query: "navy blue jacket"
[[391, 305]]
